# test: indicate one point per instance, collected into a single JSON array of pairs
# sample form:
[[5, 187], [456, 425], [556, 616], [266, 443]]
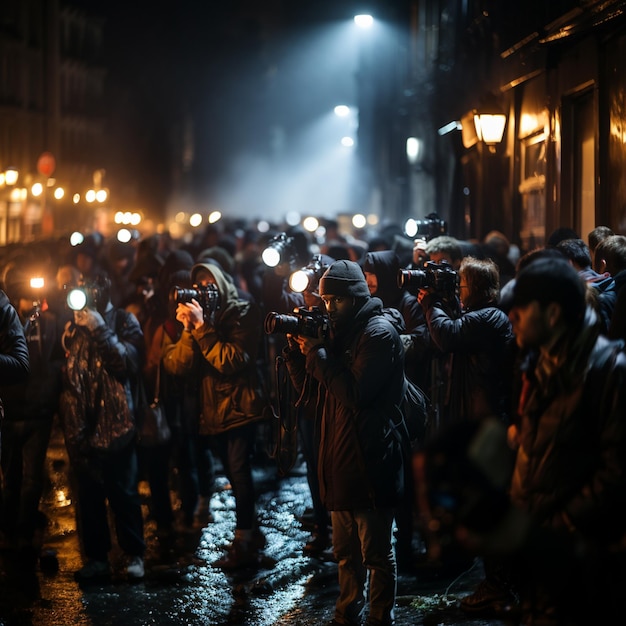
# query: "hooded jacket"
[[385, 264], [223, 354]]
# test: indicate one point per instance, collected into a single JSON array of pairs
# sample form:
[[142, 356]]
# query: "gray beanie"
[[344, 278]]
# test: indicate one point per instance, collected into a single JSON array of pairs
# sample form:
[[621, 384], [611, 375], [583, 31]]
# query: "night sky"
[[206, 96]]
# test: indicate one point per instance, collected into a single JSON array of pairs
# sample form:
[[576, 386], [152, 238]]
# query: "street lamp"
[[10, 176], [489, 122], [363, 20]]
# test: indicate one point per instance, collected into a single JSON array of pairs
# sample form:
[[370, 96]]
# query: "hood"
[[228, 292], [385, 265]]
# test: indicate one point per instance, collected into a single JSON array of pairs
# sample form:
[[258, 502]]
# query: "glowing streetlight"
[[124, 235], [363, 20], [90, 196], [341, 110], [347, 142], [214, 216], [36, 190], [359, 220], [59, 192], [311, 224], [10, 176], [195, 220], [102, 195]]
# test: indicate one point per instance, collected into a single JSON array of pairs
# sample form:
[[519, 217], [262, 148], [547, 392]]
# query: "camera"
[[304, 322], [440, 276], [207, 296], [84, 296], [307, 278], [281, 249], [429, 228]]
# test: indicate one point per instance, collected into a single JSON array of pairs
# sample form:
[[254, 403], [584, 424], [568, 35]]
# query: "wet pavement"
[[181, 586]]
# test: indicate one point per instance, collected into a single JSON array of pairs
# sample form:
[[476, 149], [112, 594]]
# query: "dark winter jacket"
[[118, 347], [14, 362], [604, 286], [418, 353], [360, 376], [570, 470], [480, 343], [617, 326], [222, 353]]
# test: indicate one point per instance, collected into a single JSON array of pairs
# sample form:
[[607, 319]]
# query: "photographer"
[[219, 343], [29, 408], [360, 370], [478, 342], [303, 408], [104, 347]]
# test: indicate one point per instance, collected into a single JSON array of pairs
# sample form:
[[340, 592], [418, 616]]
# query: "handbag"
[[154, 429]]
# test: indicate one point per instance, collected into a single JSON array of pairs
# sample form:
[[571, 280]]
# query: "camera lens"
[[77, 299]]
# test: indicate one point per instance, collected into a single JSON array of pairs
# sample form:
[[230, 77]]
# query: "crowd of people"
[[521, 457]]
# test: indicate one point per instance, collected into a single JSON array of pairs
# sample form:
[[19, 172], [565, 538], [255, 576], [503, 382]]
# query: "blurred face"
[[438, 257], [372, 282], [531, 324], [204, 278], [339, 309]]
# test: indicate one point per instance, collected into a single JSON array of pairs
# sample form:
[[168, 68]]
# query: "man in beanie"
[[360, 370], [569, 478]]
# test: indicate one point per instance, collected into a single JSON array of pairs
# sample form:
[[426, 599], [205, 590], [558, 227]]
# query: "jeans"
[[235, 448], [362, 543], [115, 480]]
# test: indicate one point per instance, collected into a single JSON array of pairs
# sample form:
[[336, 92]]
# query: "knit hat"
[[551, 280], [344, 278]]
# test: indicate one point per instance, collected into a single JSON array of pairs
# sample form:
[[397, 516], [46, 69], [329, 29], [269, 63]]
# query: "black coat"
[[14, 363], [481, 346], [360, 376]]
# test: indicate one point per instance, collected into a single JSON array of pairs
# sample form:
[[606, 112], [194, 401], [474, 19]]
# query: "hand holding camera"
[[88, 318], [190, 314], [307, 344]]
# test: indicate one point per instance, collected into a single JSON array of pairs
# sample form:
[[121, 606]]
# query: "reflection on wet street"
[[182, 587]]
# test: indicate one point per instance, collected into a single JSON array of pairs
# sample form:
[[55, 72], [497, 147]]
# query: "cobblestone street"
[[181, 586]]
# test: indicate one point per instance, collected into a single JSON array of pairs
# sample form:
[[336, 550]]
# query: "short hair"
[[446, 245], [612, 251], [538, 253], [552, 280], [597, 235], [561, 233], [483, 281], [575, 250]]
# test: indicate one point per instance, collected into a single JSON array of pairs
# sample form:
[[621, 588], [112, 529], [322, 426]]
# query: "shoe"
[[93, 571], [242, 554], [317, 544], [489, 598], [135, 569]]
